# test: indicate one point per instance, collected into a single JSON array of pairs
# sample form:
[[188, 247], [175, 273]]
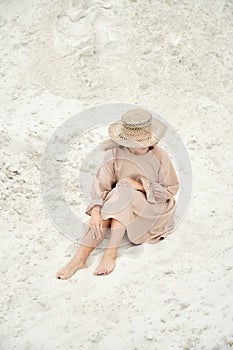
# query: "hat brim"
[[158, 131]]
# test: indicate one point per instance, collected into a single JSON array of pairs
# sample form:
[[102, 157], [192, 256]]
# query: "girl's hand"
[[95, 223], [134, 184]]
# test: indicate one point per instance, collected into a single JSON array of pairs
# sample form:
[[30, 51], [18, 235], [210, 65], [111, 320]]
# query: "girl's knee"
[[115, 223], [106, 223]]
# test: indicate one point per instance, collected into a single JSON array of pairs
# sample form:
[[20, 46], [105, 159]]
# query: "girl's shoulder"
[[111, 154], [160, 153]]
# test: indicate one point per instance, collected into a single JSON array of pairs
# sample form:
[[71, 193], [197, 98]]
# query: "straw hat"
[[137, 128]]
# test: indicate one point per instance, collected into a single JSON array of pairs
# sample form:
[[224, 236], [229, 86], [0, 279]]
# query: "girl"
[[133, 191]]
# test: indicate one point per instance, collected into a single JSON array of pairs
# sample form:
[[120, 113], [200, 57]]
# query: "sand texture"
[[58, 58]]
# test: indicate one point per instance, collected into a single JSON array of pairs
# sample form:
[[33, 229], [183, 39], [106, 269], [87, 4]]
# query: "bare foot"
[[73, 265], [106, 266]]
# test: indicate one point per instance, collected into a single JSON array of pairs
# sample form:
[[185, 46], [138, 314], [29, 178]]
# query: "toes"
[[60, 275], [102, 271], [99, 271]]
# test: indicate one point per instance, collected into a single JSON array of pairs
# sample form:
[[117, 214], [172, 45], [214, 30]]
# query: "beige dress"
[[148, 216]]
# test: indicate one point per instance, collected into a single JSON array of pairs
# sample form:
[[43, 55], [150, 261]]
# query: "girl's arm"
[[167, 185], [136, 185], [96, 208], [102, 183]]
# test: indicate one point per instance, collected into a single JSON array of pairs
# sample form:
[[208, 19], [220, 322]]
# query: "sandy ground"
[[58, 58]]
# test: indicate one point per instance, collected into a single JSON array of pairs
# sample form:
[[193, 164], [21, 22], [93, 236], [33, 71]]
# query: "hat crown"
[[137, 118]]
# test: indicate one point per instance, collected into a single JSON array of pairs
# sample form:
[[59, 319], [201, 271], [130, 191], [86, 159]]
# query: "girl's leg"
[[78, 261], [108, 261]]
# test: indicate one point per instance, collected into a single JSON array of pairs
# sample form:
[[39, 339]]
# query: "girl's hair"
[[109, 144]]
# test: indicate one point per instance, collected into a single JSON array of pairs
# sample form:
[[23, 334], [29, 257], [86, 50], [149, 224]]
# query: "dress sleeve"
[[103, 181], [167, 185]]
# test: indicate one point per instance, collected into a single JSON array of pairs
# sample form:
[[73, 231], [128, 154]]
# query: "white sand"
[[58, 58]]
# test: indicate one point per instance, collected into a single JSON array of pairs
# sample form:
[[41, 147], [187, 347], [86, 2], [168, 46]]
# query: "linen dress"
[[148, 216]]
